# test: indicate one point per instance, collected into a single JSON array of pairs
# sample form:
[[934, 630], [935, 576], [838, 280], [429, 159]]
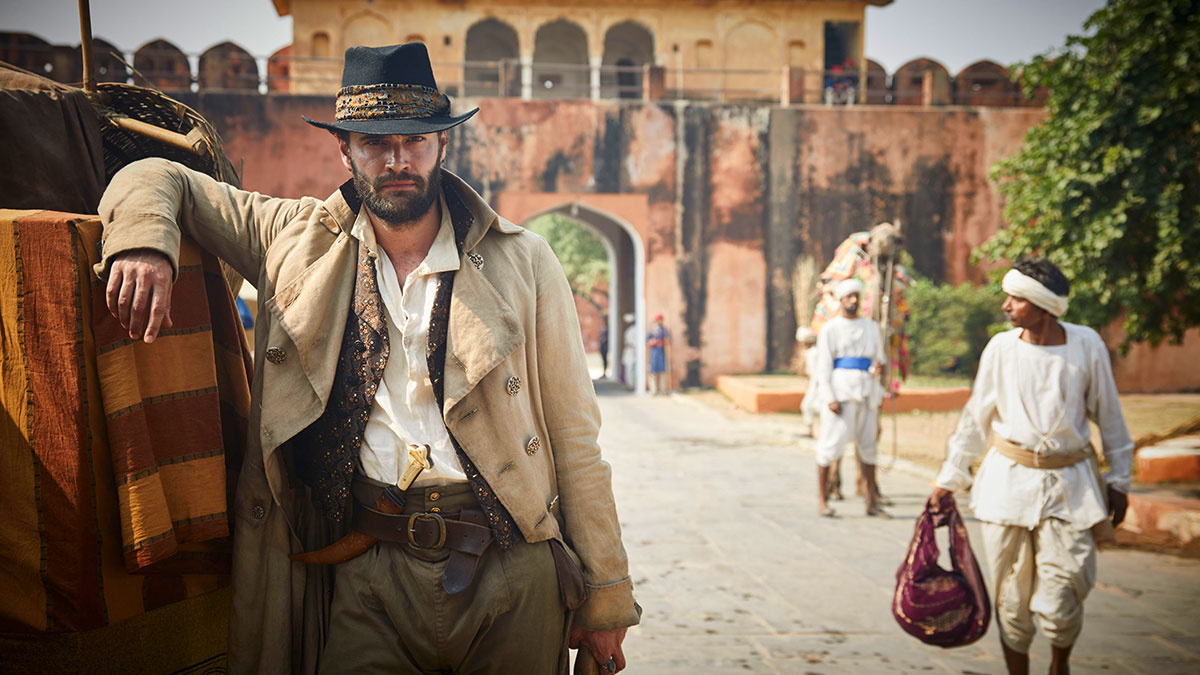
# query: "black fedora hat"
[[391, 90]]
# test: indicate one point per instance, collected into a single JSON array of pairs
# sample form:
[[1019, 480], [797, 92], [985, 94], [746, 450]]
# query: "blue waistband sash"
[[852, 363]]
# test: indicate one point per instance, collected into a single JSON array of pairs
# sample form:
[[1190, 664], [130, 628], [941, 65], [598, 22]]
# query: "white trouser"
[[809, 405], [858, 422], [1040, 576]]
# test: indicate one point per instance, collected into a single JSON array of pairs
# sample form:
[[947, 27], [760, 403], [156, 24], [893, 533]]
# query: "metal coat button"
[[434, 496], [533, 445], [276, 355], [513, 386], [258, 512]]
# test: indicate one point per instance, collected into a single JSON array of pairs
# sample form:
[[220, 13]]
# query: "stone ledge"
[[1173, 519], [759, 399], [1176, 460]]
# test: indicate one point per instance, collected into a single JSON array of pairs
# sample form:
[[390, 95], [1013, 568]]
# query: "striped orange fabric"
[[92, 535], [164, 412]]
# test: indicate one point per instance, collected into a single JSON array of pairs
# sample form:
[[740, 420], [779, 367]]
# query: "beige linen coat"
[[511, 316]]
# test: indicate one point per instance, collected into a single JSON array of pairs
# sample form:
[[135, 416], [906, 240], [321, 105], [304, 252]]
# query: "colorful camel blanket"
[[851, 260]]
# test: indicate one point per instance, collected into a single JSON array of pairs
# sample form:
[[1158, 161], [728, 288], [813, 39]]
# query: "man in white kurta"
[[848, 352], [1038, 521], [809, 405]]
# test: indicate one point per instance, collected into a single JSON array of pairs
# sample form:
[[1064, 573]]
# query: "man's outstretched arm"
[[148, 206]]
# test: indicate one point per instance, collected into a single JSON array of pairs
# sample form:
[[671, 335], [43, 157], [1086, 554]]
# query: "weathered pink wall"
[[723, 198]]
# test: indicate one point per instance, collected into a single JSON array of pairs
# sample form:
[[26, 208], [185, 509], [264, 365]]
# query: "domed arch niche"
[[164, 65], [106, 59], [229, 67], [491, 56], [984, 83], [560, 61], [908, 83], [751, 48], [367, 29], [628, 47]]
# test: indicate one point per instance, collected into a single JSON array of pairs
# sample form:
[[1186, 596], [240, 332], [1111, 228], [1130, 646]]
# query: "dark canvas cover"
[[947, 608], [53, 153]]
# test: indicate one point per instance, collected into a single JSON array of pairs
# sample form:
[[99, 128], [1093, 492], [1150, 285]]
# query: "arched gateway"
[[626, 255]]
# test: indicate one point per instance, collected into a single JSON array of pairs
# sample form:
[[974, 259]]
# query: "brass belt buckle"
[[412, 520]]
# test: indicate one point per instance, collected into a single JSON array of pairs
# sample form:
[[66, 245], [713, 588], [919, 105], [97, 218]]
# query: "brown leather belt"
[[467, 535]]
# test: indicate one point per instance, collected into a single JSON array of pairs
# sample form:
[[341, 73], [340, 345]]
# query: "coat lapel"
[[304, 306], [484, 330]]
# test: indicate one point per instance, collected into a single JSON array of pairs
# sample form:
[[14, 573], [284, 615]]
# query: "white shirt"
[[848, 337], [1040, 398], [405, 409], [629, 350]]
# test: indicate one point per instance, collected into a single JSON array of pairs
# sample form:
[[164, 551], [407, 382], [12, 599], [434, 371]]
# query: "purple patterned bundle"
[[947, 608]]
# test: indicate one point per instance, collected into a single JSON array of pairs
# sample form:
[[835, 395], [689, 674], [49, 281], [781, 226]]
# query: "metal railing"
[[237, 71]]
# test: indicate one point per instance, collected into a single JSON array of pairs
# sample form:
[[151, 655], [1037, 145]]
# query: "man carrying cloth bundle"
[[1039, 491], [849, 352]]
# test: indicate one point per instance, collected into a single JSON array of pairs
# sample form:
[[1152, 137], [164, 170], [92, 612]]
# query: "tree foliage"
[[948, 325], [580, 251], [1108, 186]]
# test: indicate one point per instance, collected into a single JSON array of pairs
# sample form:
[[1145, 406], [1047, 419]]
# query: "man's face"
[[398, 177], [849, 304], [1022, 313]]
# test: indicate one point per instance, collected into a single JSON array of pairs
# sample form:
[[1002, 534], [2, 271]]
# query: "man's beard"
[[851, 311], [399, 209]]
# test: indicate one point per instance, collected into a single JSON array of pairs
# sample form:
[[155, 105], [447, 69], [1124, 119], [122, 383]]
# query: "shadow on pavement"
[[608, 387]]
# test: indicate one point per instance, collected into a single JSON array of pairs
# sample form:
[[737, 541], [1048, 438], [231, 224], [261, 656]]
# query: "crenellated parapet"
[[555, 60]]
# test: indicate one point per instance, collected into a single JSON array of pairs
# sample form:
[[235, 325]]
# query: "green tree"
[[1108, 186], [949, 325], [581, 253]]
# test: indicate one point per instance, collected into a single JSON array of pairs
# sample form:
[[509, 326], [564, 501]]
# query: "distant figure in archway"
[[603, 346], [629, 353], [658, 341]]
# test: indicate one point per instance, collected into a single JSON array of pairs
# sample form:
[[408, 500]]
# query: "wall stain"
[[691, 251]]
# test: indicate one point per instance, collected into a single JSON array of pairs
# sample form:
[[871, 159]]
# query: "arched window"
[[491, 56], [985, 83], [908, 82], [628, 46], [367, 30], [228, 66], [560, 61], [320, 45], [163, 64], [279, 70], [750, 51]]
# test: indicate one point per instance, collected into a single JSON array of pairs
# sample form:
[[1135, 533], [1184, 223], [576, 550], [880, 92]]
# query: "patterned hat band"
[[390, 101]]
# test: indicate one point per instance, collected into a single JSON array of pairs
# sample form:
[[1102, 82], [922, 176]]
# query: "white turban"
[[847, 287], [1021, 286]]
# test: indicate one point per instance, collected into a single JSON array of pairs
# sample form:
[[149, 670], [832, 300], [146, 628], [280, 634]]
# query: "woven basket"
[[154, 107]]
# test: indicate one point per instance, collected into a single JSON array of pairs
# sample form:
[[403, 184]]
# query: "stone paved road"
[[738, 575]]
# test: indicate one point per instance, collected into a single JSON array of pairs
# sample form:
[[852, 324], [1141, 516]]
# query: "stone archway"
[[627, 282]]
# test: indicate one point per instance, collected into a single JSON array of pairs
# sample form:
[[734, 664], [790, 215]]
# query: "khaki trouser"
[[391, 614], [1040, 576]]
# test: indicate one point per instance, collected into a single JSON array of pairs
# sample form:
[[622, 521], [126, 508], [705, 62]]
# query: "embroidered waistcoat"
[[327, 451]]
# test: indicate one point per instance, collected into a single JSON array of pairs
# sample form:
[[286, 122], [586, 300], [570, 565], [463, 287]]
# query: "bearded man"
[[849, 352], [422, 491], [1039, 491]]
